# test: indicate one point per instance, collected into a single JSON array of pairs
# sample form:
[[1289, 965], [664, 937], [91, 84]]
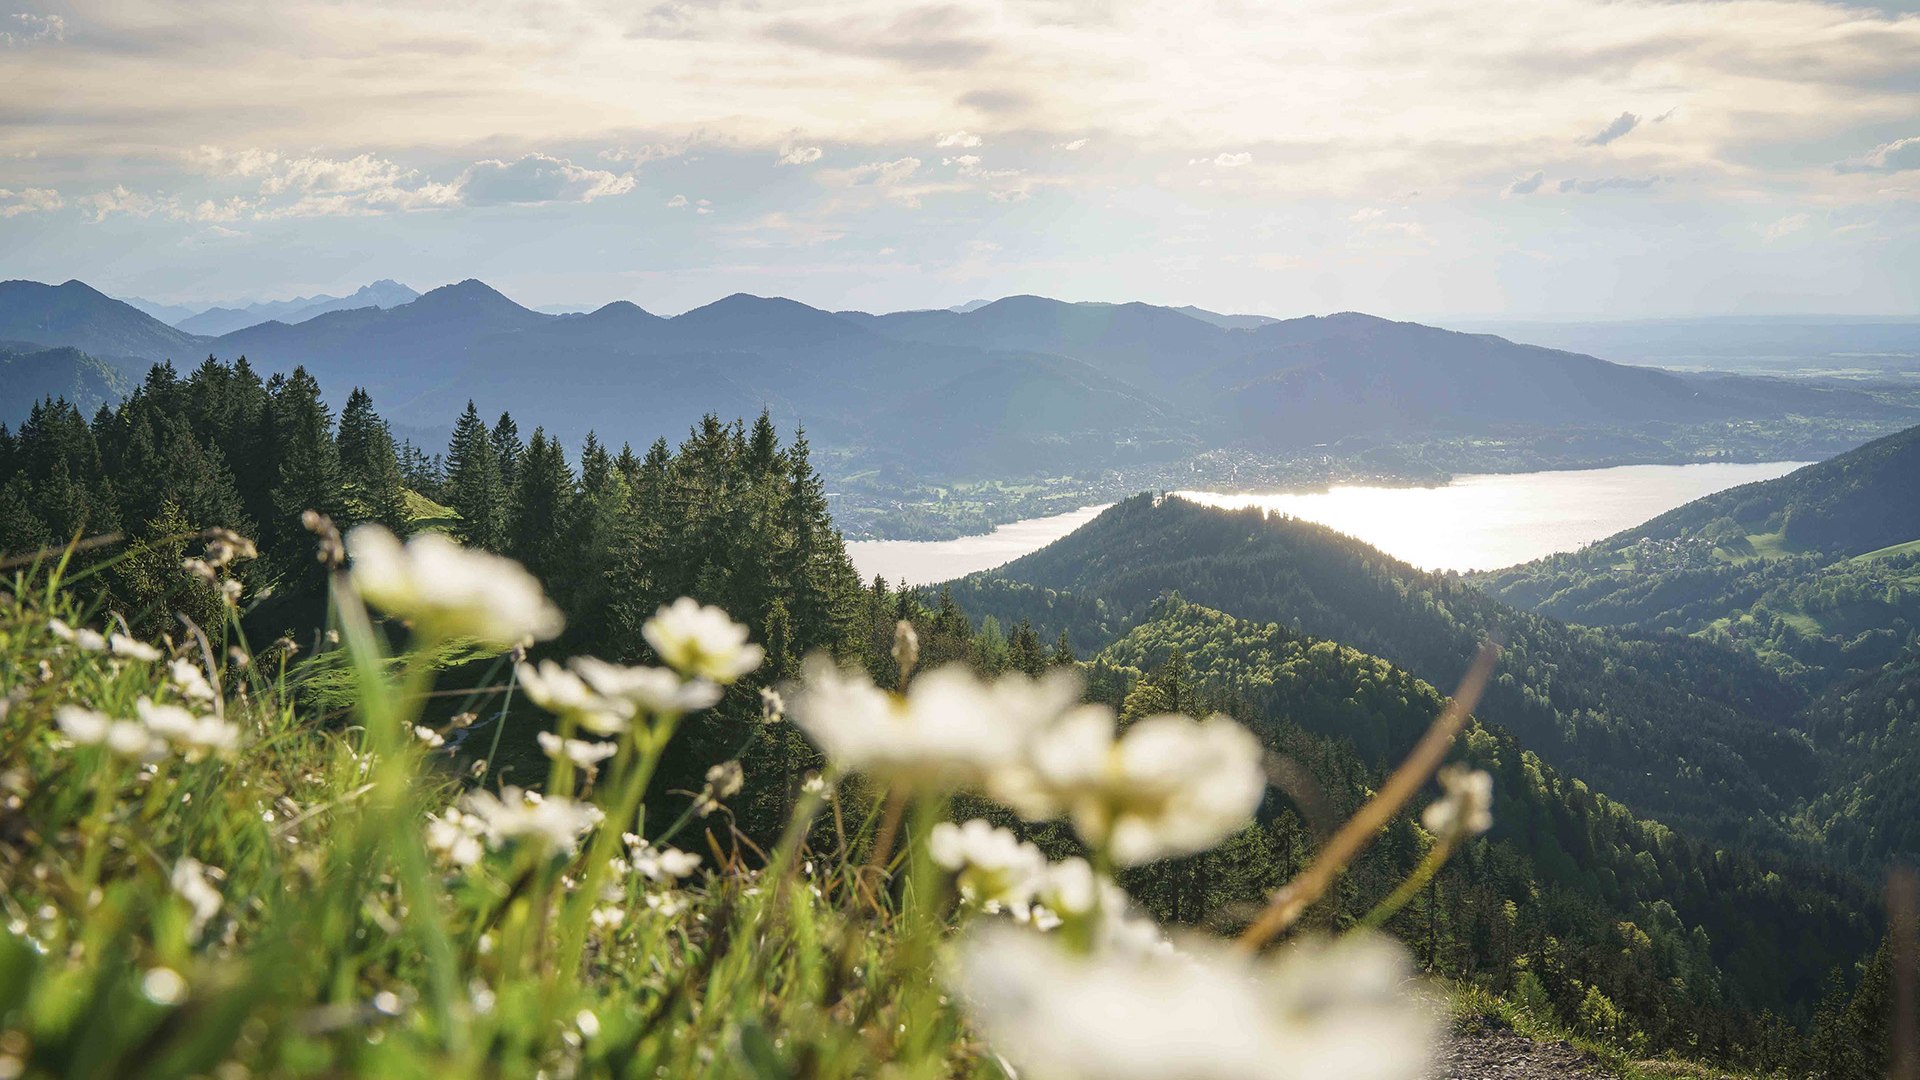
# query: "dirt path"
[[1478, 1051]]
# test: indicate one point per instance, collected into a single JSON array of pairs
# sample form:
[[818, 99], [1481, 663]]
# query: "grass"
[[341, 945], [1911, 547]]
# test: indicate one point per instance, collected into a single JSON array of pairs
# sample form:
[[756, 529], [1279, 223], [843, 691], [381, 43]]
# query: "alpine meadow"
[[939, 539]]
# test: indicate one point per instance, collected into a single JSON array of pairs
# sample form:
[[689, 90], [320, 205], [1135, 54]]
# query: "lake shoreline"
[[1495, 519]]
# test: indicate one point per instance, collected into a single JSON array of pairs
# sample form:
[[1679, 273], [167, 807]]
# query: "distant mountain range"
[[224, 319], [1023, 384]]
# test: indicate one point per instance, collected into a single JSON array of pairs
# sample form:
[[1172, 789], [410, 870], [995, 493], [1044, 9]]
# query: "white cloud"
[[117, 200], [1786, 226], [884, 173], [677, 202], [1896, 156], [1225, 160], [1071, 146], [1527, 185], [965, 161], [1615, 128], [800, 155], [698, 206], [1574, 185], [29, 201], [26, 28], [964, 139], [538, 178]]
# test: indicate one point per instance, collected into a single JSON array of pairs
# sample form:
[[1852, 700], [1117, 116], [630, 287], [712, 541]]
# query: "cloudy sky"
[[1419, 158]]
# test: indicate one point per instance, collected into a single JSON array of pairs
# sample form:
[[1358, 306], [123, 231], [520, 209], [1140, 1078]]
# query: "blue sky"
[[1532, 158]]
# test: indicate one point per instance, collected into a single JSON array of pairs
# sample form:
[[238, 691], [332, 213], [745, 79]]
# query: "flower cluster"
[[155, 730], [448, 591], [1169, 786]]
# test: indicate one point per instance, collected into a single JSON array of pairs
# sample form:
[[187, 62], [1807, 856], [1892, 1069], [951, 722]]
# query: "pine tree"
[[375, 489], [309, 473], [507, 450], [539, 530], [474, 489]]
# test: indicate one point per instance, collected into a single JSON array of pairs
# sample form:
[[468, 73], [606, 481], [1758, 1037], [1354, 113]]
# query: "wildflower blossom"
[[993, 869], [191, 879], [195, 736], [666, 904], [230, 591], [432, 738], [1466, 808], [131, 648], [123, 738], [950, 730], [773, 707], [568, 696], [455, 835], [449, 591], [1201, 1013], [190, 680], [163, 986], [551, 824], [662, 864], [701, 641], [1170, 786], [583, 753], [84, 639], [607, 917], [649, 689]]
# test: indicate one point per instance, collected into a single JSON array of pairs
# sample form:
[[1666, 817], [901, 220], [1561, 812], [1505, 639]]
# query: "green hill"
[[1570, 885], [1686, 730], [1817, 573]]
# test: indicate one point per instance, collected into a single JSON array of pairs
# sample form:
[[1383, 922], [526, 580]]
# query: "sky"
[[1420, 158]]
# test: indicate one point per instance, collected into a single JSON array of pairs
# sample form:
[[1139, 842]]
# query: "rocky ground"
[[1489, 1054]]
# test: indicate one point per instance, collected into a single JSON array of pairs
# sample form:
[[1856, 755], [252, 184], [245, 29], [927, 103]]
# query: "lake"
[[1477, 522]]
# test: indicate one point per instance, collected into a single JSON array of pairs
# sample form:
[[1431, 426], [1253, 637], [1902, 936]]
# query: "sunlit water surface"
[[1477, 522]]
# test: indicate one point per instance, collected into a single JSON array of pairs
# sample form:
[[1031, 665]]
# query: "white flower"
[[230, 591], [666, 904], [450, 591], [773, 707], [1199, 1013], [701, 641], [1170, 786], [1466, 809], [668, 864], [86, 640], [726, 779], [950, 730], [607, 917], [583, 753], [455, 836], [191, 681], [195, 736], [131, 648], [993, 869], [1070, 890], [432, 738], [552, 824], [190, 879], [124, 738], [650, 689], [566, 695]]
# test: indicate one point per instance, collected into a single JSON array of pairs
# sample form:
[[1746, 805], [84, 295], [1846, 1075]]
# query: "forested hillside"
[[1686, 731], [1571, 896]]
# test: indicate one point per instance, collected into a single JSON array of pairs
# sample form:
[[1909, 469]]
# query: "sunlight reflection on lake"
[[1477, 522]]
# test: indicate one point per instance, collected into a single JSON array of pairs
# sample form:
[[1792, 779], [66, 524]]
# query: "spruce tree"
[[507, 450], [309, 473], [539, 530], [375, 489], [474, 490]]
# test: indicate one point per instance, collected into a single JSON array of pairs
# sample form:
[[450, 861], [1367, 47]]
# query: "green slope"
[[1685, 730]]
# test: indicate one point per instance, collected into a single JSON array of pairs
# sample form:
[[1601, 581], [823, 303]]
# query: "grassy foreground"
[[206, 875]]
